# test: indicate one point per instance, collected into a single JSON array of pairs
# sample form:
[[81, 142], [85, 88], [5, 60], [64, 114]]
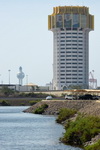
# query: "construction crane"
[[92, 81]]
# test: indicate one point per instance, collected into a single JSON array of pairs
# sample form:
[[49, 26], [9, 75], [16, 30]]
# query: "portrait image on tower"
[[70, 26]]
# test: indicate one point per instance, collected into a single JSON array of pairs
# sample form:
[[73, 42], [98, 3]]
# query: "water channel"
[[25, 131]]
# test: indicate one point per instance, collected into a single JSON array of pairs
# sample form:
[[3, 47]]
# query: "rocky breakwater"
[[84, 106]]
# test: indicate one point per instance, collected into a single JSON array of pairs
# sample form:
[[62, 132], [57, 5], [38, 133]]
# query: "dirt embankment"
[[88, 107]]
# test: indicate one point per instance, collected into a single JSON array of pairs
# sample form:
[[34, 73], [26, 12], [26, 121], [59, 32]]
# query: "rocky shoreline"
[[88, 107]]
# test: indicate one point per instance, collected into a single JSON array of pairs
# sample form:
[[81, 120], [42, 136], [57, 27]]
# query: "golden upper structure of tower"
[[71, 17]]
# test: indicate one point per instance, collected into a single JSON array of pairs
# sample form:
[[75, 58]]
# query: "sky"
[[25, 40]]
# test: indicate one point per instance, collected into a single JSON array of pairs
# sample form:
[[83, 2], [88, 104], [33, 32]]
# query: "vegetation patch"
[[41, 109], [83, 129], [34, 102], [95, 146], [4, 103], [65, 114]]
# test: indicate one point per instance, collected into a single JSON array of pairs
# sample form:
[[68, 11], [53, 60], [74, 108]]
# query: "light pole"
[[9, 76], [27, 82]]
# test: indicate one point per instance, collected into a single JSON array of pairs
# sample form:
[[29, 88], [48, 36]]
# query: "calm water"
[[25, 131]]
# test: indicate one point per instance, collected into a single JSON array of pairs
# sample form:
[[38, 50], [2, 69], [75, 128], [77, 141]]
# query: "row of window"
[[71, 82], [70, 41], [70, 78], [70, 52], [71, 48], [80, 37], [71, 59], [71, 63], [71, 44], [71, 67], [71, 33], [71, 74], [71, 55], [70, 70]]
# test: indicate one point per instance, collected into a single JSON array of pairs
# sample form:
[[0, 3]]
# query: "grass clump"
[[4, 103], [95, 146], [65, 114], [41, 109], [34, 102], [83, 129]]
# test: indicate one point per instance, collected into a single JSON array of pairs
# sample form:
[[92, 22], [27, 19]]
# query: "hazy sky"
[[25, 40]]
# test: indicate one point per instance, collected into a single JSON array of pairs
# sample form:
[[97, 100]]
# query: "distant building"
[[70, 26]]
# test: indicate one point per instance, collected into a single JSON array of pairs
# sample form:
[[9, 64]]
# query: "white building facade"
[[70, 26]]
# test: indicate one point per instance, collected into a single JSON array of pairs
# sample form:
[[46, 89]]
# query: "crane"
[[92, 81]]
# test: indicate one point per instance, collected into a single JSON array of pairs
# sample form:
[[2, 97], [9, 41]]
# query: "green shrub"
[[22, 104], [65, 114], [33, 102], [81, 130], [95, 146], [4, 103], [41, 109]]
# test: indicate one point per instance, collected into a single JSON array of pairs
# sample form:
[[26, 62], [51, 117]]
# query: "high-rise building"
[[70, 26]]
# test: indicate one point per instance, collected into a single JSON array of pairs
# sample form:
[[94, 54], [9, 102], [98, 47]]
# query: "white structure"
[[20, 76], [70, 26]]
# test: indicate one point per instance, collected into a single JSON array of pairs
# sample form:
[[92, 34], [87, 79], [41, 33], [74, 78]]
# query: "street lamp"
[[9, 76], [27, 82]]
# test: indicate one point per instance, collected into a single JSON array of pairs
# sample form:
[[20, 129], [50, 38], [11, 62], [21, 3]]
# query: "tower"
[[70, 26], [20, 76]]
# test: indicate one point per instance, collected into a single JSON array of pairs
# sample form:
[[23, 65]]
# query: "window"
[[62, 59], [62, 67], [62, 56], [68, 82], [62, 48], [74, 40], [62, 37], [68, 44], [68, 40], [68, 52], [68, 36], [68, 67], [68, 48], [74, 70], [80, 56], [74, 44], [68, 74], [74, 59], [74, 33], [74, 52], [62, 63], [74, 55], [68, 33], [68, 59], [62, 44], [62, 52], [68, 55], [62, 41], [80, 37], [74, 82], [63, 33], [62, 82]]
